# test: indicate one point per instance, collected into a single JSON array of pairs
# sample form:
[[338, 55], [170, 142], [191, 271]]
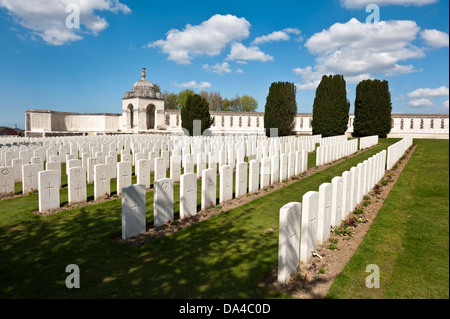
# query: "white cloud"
[[240, 71], [253, 53], [47, 19], [218, 68], [209, 38], [445, 104], [359, 50], [276, 36], [193, 84], [420, 103], [428, 93], [434, 38], [359, 4]]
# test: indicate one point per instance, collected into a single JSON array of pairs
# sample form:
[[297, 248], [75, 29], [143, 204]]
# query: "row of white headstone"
[[395, 151], [65, 149], [368, 141], [250, 177], [331, 152], [332, 139], [100, 170], [306, 224]]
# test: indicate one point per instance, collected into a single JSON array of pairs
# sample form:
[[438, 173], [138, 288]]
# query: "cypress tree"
[[280, 108], [373, 109], [195, 108], [331, 107]]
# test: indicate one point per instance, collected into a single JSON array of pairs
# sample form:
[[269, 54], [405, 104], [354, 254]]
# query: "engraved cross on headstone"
[[103, 179], [190, 192], [78, 189], [49, 187], [136, 205], [31, 177], [6, 186]]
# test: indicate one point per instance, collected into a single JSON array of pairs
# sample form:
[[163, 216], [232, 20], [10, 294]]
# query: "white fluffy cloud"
[[420, 103], [219, 68], [422, 97], [252, 53], [427, 92], [358, 4], [193, 85], [282, 35], [209, 37], [47, 19], [359, 50], [434, 38]]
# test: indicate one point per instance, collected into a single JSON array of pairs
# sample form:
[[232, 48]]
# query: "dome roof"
[[143, 88]]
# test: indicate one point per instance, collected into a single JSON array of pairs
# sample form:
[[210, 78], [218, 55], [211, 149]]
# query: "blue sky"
[[233, 47]]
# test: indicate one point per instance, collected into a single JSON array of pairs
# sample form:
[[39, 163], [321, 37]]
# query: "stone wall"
[[38, 121]]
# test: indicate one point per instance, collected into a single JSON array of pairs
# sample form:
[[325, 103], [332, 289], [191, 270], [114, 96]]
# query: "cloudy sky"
[[82, 56]]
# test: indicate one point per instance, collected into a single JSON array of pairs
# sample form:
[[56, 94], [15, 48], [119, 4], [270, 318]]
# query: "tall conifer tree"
[[373, 109], [280, 108], [331, 107]]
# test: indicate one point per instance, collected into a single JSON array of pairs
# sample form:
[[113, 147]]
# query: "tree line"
[[331, 107], [176, 101]]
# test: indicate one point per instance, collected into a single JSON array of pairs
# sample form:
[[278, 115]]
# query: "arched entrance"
[[150, 117], [130, 116]]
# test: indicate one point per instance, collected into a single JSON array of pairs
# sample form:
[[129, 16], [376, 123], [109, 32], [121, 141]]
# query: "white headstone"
[[143, 172], [201, 164], [76, 184], [265, 172], [289, 240], [346, 188], [124, 177], [48, 190], [291, 164], [241, 179], [30, 177], [17, 169], [253, 182], [133, 210], [209, 188], [188, 195], [175, 168], [91, 162], [162, 201], [160, 168], [325, 208], [336, 201], [308, 241], [283, 167], [54, 166], [112, 162], [102, 183], [7, 180], [225, 183], [274, 169]]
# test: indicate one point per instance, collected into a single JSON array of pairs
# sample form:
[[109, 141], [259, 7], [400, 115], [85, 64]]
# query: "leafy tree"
[[248, 104], [182, 97], [280, 108], [373, 109], [170, 101], [331, 107], [195, 108]]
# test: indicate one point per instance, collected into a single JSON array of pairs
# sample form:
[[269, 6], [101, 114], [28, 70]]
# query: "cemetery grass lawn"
[[409, 239], [223, 257]]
